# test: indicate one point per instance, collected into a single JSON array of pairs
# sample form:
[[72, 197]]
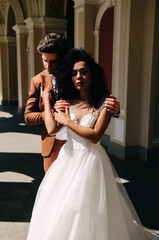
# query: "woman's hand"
[[112, 105], [62, 117], [45, 94], [61, 105]]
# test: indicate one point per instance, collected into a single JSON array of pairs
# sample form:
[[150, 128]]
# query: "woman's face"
[[81, 76]]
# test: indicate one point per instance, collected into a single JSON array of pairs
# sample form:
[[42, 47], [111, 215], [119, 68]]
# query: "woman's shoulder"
[[102, 105]]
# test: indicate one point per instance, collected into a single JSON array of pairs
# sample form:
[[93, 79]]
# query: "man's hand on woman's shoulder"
[[113, 106]]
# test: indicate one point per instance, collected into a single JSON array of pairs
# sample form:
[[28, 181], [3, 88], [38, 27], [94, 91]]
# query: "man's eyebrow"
[[54, 60], [50, 60], [80, 69]]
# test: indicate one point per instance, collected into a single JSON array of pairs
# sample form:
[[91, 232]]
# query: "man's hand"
[[61, 105], [112, 105]]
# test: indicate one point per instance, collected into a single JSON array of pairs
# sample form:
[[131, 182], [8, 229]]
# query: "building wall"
[[129, 136], [134, 63]]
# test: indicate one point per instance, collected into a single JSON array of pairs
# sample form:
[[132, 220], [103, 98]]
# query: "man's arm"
[[33, 114]]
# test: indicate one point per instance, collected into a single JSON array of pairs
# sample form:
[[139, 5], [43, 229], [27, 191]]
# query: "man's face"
[[50, 61]]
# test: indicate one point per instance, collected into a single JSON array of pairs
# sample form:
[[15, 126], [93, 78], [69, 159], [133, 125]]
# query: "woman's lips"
[[80, 83]]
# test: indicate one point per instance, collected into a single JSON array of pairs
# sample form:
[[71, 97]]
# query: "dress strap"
[[101, 107]]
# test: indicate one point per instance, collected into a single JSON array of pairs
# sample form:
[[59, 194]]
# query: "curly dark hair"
[[53, 43], [98, 88]]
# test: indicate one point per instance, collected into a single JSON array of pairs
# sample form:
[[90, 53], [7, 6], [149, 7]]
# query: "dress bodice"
[[87, 120]]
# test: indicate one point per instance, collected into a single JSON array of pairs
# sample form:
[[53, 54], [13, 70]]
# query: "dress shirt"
[[62, 134]]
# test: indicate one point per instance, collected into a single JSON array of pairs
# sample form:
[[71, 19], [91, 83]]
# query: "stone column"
[[120, 75], [22, 64], [36, 30], [4, 71], [85, 15], [79, 26], [12, 51]]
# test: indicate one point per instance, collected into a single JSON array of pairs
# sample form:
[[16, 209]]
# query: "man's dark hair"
[[53, 43], [98, 88]]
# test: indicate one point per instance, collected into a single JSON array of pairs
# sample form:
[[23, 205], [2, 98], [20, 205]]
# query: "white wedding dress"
[[81, 196]]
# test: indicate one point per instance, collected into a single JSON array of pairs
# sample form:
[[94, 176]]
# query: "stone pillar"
[[120, 75], [12, 51], [22, 64], [4, 71], [140, 77], [79, 26], [36, 30], [85, 14]]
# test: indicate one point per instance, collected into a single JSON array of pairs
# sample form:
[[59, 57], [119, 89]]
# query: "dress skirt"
[[82, 198]]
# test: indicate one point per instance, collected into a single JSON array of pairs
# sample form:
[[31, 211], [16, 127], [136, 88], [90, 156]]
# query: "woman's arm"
[[50, 123], [95, 134]]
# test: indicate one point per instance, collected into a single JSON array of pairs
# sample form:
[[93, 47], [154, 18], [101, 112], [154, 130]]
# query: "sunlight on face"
[[81, 76]]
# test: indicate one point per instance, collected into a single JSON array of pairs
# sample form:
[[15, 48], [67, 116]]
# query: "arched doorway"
[[106, 44]]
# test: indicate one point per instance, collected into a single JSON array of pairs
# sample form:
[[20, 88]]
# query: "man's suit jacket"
[[34, 111]]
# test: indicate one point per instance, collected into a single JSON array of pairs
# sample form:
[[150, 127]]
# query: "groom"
[[53, 48]]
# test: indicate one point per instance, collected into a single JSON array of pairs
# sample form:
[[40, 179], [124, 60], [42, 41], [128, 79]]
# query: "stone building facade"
[[122, 35]]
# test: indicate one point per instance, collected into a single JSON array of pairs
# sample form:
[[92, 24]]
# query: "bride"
[[81, 196]]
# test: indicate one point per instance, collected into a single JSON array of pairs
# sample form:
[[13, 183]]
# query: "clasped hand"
[[61, 113], [62, 117], [61, 107]]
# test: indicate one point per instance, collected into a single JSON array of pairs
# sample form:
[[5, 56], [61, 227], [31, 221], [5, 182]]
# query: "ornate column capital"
[[34, 22], [41, 22], [81, 2], [55, 23], [19, 28]]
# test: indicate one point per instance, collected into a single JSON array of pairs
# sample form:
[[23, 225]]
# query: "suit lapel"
[[46, 79]]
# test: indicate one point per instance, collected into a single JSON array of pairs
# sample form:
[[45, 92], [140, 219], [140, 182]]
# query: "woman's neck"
[[84, 96]]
